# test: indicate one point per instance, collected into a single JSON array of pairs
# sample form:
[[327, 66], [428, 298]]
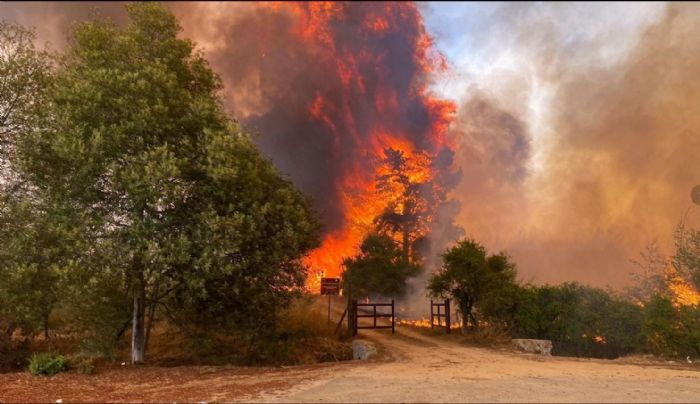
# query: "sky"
[[576, 123]]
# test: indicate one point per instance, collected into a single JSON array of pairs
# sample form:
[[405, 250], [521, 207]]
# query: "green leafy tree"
[[379, 270], [172, 198], [27, 268], [671, 331], [469, 275], [25, 74], [29, 247]]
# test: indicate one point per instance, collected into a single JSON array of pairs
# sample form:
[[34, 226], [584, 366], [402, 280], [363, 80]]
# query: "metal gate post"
[[353, 309], [374, 315], [439, 315], [392, 317], [432, 325], [448, 323]]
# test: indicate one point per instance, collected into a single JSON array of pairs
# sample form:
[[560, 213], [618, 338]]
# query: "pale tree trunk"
[[137, 336]]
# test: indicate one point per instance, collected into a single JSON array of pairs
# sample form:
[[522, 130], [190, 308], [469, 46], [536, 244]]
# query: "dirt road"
[[417, 369], [428, 369]]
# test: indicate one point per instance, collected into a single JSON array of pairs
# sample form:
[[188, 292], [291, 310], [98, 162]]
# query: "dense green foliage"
[[25, 74], [592, 322], [134, 195], [473, 279], [379, 270], [27, 252], [579, 320], [46, 364], [671, 331]]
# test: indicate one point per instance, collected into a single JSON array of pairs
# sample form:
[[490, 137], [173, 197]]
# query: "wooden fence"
[[443, 311], [362, 310]]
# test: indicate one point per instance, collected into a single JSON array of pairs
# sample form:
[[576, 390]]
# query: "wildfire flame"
[[380, 101], [425, 323], [682, 292]]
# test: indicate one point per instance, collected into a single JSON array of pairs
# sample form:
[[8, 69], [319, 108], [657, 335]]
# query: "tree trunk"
[[464, 308], [46, 327], [137, 336], [151, 314], [474, 322]]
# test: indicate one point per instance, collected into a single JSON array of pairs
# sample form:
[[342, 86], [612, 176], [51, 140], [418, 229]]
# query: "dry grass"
[[303, 336]]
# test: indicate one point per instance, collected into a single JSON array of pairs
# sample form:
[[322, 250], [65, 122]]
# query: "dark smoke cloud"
[[273, 79], [493, 151]]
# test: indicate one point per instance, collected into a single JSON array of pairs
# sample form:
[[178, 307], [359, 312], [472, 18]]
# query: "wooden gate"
[[362, 310], [445, 313]]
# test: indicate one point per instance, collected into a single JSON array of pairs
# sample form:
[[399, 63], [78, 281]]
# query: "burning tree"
[[388, 258], [675, 278], [405, 181], [687, 257], [331, 86]]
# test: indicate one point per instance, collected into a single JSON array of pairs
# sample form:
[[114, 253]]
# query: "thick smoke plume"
[[329, 87], [579, 197]]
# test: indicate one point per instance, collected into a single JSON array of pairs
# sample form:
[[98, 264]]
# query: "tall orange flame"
[[682, 292], [369, 80]]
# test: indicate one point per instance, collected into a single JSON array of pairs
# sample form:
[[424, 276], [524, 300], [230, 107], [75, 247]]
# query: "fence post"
[[392, 317], [431, 314], [374, 315], [448, 323], [353, 312]]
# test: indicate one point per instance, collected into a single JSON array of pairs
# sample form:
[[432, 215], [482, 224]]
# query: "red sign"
[[330, 286]]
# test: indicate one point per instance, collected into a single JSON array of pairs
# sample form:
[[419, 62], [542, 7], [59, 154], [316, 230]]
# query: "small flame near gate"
[[425, 323]]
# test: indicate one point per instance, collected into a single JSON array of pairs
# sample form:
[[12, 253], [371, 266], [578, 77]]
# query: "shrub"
[[82, 362], [13, 354], [580, 320], [670, 331], [46, 364]]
